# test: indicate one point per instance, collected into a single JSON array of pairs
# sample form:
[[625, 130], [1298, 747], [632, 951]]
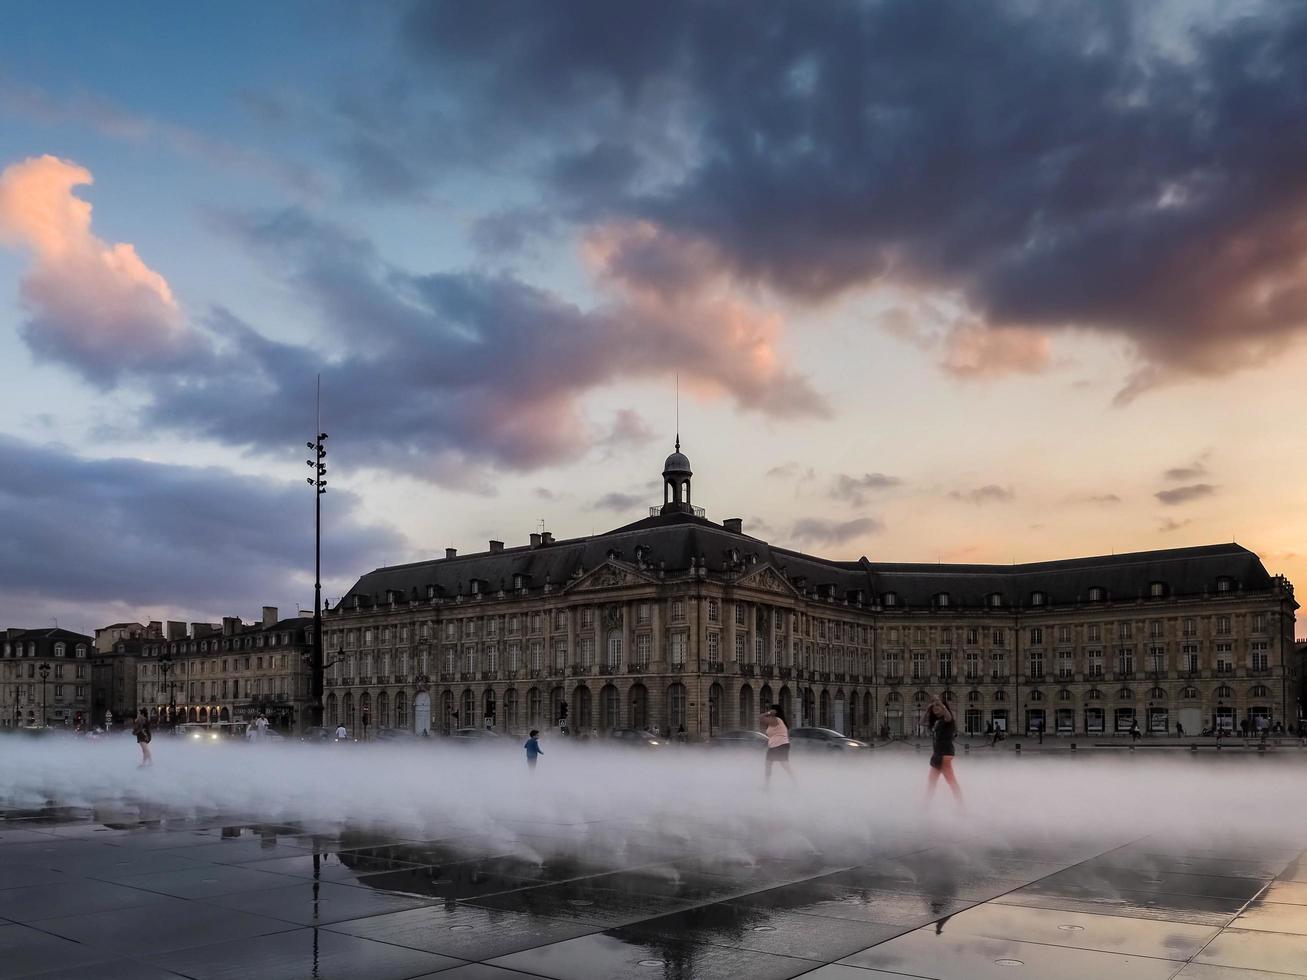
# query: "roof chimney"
[[229, 624], [269, 615], [546, 537], [496, 546], [535, 540], [451, 553], [176, 630], [734, 524]]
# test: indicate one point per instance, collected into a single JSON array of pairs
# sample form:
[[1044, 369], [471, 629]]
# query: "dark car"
[[394, 735], [635, 738], [824, 740], [317, 735], [472, 735], [739, 738]]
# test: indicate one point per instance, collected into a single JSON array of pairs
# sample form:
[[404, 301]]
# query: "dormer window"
[[1156, 590], [941, 600], [995, 600], [1037, 598], [1097, 594], [890, 599], [1224, 584]]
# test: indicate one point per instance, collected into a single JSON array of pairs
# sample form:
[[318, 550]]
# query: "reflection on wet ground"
[[152, 895]]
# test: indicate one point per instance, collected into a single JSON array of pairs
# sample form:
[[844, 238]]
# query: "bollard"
[[1016, 747], [1193, 746], [1132, 747], [1073, 746], [1261, 746], [966, 747]]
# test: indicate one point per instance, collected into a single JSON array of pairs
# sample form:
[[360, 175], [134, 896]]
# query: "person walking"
[[1134, 730], [342, 733], [1179, 730], [141, 729], [778, 742], [938, 720], [533, 750]]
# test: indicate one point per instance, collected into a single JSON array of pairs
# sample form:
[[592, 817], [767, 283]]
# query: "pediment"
[[767, 579], [610, 575]]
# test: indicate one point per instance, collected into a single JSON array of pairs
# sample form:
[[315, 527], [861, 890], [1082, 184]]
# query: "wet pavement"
[[153, 895]]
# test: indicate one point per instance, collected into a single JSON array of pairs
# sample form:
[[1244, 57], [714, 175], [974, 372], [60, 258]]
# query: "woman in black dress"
[[141, 729], [939, 721]]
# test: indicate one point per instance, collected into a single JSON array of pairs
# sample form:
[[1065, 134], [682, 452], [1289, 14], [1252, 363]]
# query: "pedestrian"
[[1179, 730], [532, 749], [778, 742], [141, 729], [998, 735], [342, 733], [1039, 729], [680, 733], [938, 719], [1134, 730]]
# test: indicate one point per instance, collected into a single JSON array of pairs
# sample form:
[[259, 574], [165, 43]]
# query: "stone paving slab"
[[170, 895]]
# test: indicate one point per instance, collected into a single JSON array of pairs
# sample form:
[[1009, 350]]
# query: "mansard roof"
[[676, 540]]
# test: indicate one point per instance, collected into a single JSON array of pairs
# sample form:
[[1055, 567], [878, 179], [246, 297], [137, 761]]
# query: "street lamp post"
[[44, 671], [17, 712], [319, 484], [165, 667]]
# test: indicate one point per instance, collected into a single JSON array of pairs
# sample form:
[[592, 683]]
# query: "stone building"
[[228, 672], [63, 696], [681, 622]]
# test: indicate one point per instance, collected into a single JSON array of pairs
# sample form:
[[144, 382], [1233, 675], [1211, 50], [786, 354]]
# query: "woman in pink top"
[[778, 740]]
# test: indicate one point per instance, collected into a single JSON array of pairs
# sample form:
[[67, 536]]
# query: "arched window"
[[1064, 695], [59, 649], [675, 707], [1189, 693], [1157, 694], [608, 708], [383, 710], [893, 697], [1125, 694], [973, 696], [747, 714], [81, 649], [1000, 695], [1036, 695], [333, 718], [401, 711], [1225, 691], [920, 697], [1259, 691], [1094, 694]]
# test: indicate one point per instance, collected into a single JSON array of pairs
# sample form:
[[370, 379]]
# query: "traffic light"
[[562, 710]]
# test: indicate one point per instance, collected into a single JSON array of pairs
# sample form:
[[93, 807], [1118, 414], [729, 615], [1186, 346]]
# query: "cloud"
[[1182, 495], [1142, 189], [85, 535], [854, 489], [628, 431], [822, 531], [1169, 525], [988, 494], [93, 306], [1101, 499], [509, 231], [783, 471], [1190, 471], [619, 501], [544, 493]]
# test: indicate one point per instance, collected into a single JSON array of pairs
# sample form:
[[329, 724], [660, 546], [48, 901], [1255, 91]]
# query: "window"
[[642, 613], [81, 650], [679, 644], [973, 665], [1261, 657], [59, 649], [643, 646], [1155, 629], [1225, 691], [714, 611], [1094, 633], [1125, 660], [1097, 594], [1064, 695], [560, 619], [560, 655], [920, 670], [1224, 658], [1124, 631], [998, 666], [890, 599], [1156, 589], [1259, 691], [1036, 636], [614, 649], [995, 599], [996, 638], [973, 636], [1036, 665], [678, 611], [587, 617], [1189, 658], [892, 666], [1036, 598], [1094, 663], [1065, 665], [1157, 659], [1064, 634], [714, 649], [586, 651], [1259, 622], [945, 665], [492, 657], [941, 600], [1222, 625], [741, 645], [1224, 584], [1189, 693], [739, 614]]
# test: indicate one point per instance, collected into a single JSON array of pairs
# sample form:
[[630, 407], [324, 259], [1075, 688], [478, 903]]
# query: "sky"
[[993, 282]]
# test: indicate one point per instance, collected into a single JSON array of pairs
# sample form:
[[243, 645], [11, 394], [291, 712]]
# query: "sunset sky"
[[941, 281]]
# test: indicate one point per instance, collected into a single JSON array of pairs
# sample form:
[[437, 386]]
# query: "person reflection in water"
[[938, 720]]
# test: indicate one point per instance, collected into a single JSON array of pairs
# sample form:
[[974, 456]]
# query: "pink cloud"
[[973, 350], [92, 304]]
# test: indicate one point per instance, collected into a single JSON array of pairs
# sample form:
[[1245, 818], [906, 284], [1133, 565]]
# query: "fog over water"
[[683, 801]]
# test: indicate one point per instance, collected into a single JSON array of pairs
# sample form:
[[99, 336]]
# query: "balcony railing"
[[714, 667], [786, 673], [446, 678], [766, 671], [636, 668], [747, 670], [608, 668]]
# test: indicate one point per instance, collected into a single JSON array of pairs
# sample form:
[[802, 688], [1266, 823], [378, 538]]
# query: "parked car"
[[394, 735], [213, 731], [824, 740], [472, 735], [635, 738], [739, 738], [317, 735]]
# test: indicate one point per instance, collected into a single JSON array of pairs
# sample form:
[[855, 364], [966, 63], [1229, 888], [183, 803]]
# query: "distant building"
[[227, 672], [684, 623], [63, 697]]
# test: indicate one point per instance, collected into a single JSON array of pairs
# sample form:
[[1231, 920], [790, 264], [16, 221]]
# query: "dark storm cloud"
[[1182, 495], [134, 533], [428, 372], [1129, 168], [990, 493], [823, 531], [854, 489]]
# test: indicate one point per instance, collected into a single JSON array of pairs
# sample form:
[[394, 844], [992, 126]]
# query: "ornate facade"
[[681, 622]]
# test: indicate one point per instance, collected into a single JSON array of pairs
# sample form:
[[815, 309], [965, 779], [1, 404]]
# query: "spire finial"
[[678, 411]]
